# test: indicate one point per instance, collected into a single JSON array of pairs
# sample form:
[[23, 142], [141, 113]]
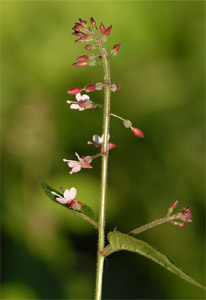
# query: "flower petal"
[[85, 97], [76, 169], [97, 139], [74, 106], [73, 192], [78, 97]]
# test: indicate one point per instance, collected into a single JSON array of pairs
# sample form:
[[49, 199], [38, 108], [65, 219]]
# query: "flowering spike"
[[90, 88], [80, 64], [74, 91], [108, 30], [138, 132], [102, 29]]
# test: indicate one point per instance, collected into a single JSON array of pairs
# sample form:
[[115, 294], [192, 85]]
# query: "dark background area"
[[49, 253]]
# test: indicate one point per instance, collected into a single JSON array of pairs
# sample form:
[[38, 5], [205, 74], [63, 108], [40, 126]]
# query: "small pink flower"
[[69, 195], [74, 204], [83, 162], [83, 102], [98, 142]]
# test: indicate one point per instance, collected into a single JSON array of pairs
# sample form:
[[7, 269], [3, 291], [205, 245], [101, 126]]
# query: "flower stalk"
[[104, 172]]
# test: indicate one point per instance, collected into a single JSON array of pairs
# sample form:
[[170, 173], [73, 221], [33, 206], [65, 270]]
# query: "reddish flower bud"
[[80, 41], [74, 91], [102, 28], [108, 30], [138, 132], [174, 204], [82, 58], [75, 33], [92, 21], [181, 224], [88, 47], [80, 64], [117, 47], [82, 35], [82, 22], [77, 27], [90, 88]]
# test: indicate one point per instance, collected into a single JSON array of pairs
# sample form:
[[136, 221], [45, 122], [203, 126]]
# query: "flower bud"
[[88, 47], [82, 35], [80, 64], [99, 86], [92, 21], [116, 47], [138, 132], [80, 41], [115, 87], [108, 30], [74, 91], [82, 22], [82, 58], [90, 88], [102, 29], [174, 204]]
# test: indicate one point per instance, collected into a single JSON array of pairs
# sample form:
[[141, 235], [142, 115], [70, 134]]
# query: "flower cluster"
[[183, 215]]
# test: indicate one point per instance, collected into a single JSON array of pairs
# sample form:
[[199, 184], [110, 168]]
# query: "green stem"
[[106, 119]]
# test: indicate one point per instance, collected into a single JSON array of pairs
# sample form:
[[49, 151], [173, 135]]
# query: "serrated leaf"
[[120, 241], [84, 211]]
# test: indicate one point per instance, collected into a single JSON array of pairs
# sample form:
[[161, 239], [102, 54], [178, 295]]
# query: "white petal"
[[72, 163], [76, 169], [69, 102], [85, 97], [73, 192], [97, 139], [62, 200], [74, 106], [55, 194], [78, 96]]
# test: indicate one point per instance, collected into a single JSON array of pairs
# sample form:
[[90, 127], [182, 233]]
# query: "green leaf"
[[84, 211], [120, 241]]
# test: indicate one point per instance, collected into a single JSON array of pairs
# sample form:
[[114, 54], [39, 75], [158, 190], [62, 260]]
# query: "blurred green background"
[[47, 253]]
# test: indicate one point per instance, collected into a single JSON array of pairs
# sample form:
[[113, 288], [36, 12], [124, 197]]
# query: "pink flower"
[[98, 142], [69, 198], [69, 195], [83, 162], [83, 102]]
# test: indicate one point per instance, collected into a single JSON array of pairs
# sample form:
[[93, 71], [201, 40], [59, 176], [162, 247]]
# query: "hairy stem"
[[104, 170]]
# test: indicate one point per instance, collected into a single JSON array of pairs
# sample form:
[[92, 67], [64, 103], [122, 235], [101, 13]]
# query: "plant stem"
[[106, 119]]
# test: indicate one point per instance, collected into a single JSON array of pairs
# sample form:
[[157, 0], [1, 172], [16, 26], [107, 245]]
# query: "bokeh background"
[[49, 253]]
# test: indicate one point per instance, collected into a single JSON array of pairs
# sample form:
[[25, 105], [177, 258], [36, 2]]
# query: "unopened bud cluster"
[[184, 215]]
